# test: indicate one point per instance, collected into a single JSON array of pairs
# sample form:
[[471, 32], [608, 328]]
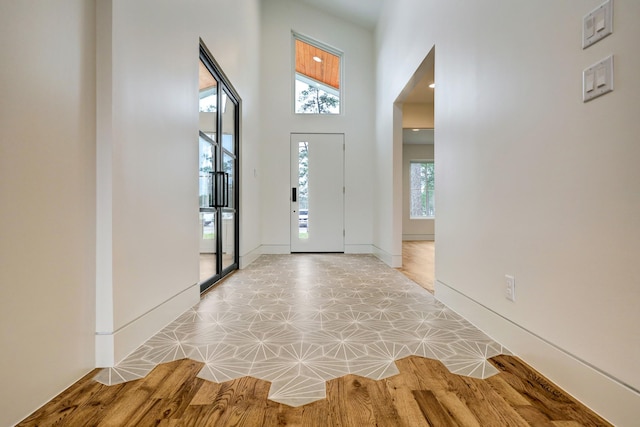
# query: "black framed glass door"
[[218, 172]]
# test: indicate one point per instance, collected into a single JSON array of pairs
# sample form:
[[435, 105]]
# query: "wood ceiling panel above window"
[[317, 64]]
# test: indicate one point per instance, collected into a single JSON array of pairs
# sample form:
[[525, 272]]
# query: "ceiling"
[[417, 90], [422, 93], [361, 12], [317, 64]]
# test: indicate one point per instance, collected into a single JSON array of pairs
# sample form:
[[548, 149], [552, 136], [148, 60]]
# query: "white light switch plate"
[[597, 79], [598, 24], [510, 289]]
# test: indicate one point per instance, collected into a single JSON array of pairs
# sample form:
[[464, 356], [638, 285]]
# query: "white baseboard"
[[411, 237], [114, 346], [604, 394], [248, 258], [393, 261], [275, 249], [286, 249], [358, 249]]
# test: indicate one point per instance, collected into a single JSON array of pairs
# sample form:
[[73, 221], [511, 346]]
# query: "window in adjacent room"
[[317, 77], [422, 187]]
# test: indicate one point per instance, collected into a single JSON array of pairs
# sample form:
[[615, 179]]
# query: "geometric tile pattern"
[[301, 320]]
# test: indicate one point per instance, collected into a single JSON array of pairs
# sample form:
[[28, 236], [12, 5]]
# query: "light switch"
[[589, 81], [600, 19], [601, 76], [590, 28], [597, 24], [597, 79]]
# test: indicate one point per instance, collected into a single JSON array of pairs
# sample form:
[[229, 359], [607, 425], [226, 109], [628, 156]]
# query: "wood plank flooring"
[[418, 258], [425, 393]]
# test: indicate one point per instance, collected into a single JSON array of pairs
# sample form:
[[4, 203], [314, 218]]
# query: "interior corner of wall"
[[250, 257], [275, 249], [393, 261], [358, 249]]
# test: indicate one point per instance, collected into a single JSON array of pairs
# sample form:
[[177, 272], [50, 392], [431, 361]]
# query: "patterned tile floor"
[[300, 320]]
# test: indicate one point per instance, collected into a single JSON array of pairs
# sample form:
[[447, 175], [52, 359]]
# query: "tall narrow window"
[[422, 188], [317, 78]]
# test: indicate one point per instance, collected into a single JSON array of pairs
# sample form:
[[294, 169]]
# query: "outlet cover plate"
[[597, 80], [598, 24], [510, 288]]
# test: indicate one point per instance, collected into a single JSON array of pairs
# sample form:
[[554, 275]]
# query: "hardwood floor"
[[271, 297], [425, 393], [418, 258]]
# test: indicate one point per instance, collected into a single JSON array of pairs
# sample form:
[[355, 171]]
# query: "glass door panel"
[[228, 212], [208, 223], [228, 123], [208, 102], [206, 151], [228, 238], [229, 166], [208, 125], [208, 255], [218, 174]]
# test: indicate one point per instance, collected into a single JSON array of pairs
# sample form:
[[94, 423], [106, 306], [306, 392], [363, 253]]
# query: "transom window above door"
[[317, 77]]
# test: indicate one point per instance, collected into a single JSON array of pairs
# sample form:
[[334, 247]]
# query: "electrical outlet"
[[510, 288]]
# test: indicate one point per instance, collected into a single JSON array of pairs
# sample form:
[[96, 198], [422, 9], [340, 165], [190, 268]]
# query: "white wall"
[[531, 181], [414, 229], [148, 148], [127, 240], [279, 18], [47, 193]]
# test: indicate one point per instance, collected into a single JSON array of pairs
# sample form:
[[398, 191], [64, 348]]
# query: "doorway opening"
[[416, 173], [218, 165]]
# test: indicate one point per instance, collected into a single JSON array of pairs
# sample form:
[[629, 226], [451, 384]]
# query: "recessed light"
[[317, 59], [432, 85], [416, 130]]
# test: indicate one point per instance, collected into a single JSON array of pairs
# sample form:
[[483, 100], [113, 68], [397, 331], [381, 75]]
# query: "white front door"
[[317, 192]]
